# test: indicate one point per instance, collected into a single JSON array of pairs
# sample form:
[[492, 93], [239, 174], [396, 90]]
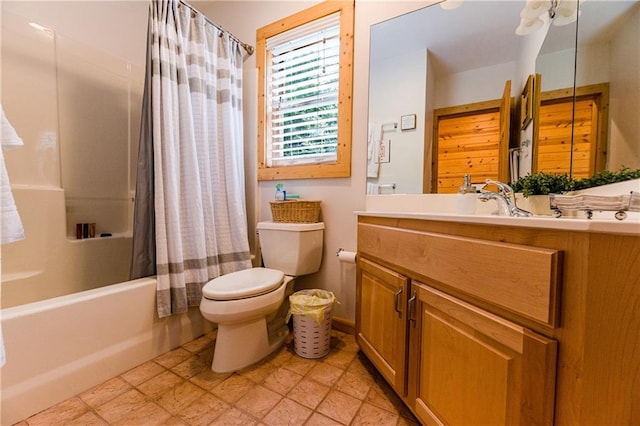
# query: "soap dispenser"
[[467, 199], [280, 193]]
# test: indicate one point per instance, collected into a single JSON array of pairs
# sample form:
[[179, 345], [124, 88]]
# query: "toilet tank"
[[293, 248]]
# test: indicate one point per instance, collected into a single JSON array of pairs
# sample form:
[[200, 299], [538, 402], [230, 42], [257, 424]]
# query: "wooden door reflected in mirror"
[[579, 151], [470, 139]]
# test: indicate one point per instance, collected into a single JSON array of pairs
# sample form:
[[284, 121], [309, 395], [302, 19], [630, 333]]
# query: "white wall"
[[618, 63], [530, 46], [624, 96], [397, 87], [557, 69], [463, 88]]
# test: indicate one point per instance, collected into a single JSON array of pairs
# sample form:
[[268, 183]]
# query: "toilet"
[[250, 306]]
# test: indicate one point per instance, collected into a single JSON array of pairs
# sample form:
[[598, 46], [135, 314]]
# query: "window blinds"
[[302, 86]]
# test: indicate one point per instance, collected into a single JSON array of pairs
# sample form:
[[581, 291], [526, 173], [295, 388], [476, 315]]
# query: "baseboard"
[[344, 325]]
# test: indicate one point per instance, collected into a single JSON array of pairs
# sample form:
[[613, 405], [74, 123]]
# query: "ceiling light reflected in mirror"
[[47, 31], [560, 12], [451, 4]]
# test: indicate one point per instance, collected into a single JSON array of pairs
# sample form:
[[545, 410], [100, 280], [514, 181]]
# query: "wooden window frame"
[[342, 166]]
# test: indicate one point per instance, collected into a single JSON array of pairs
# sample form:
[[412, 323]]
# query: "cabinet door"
[[381, 329], [477, 368]]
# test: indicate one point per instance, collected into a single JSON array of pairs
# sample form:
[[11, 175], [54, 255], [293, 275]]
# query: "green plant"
[[606, 177], [548, 183], [543, 183]]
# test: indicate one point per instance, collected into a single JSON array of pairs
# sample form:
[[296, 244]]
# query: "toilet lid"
[[242, 284]]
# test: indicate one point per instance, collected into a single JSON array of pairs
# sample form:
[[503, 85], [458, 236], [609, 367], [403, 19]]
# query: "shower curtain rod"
[[247, 47]]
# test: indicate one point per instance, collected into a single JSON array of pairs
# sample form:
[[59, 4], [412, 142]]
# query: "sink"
[[422, 203], [445, 204]]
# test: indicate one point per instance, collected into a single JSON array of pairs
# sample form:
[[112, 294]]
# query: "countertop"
[[629, 226]]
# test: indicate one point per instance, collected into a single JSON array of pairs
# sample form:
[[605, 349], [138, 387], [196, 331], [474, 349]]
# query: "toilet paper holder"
[[346, 256]]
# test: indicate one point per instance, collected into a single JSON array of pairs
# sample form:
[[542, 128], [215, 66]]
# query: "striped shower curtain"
[[192, 137]]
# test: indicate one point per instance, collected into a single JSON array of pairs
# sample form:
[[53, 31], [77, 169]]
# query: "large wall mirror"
[[438, 60]]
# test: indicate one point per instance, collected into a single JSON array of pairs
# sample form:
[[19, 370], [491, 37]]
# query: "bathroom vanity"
[[500, 320]]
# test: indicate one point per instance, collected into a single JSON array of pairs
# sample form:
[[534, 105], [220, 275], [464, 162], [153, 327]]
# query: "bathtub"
[[63, 346]]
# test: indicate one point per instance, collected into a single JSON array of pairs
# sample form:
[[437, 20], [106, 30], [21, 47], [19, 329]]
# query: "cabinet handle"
[[412, 309], [396, 299]]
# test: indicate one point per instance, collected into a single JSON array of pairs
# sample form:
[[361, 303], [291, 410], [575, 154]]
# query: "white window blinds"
[[302, 90]]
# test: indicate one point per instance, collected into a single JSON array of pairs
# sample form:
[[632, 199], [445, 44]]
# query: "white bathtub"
[[60, 347]]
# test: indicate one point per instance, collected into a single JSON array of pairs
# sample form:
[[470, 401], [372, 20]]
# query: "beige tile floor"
[[178, 388]]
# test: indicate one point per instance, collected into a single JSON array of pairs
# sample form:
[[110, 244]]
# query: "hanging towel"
[[11, 226], [373, 149]]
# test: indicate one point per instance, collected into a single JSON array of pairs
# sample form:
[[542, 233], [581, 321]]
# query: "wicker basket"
[[295, 211]]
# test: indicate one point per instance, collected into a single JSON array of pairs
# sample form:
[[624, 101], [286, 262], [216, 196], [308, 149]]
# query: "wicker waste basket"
[[311, 310]]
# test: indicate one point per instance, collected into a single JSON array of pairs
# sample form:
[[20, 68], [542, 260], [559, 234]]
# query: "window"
[[304, 94]]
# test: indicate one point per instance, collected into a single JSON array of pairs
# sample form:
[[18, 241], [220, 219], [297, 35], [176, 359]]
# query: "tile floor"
[[178, 388]]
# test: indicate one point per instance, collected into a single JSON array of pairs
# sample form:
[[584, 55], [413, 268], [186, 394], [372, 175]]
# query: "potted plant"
[[607, 177], [543, 184], [531, 188], [532, 191]]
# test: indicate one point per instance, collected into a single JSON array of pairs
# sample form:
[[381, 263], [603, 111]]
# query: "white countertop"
[[442, 207], [629, 226]]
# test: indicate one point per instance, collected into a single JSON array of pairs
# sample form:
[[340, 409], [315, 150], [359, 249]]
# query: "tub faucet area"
[[504, 197]]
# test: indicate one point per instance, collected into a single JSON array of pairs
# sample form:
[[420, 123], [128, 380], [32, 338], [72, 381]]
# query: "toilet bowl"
[[241, 304], [248, 305]]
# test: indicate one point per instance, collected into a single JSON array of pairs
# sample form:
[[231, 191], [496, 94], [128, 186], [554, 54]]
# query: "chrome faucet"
[[504, 197]]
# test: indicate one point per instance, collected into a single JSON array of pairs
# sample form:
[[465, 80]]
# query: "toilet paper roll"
[[347, 256]]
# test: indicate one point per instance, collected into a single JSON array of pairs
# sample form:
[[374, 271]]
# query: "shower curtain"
[[190, 189]]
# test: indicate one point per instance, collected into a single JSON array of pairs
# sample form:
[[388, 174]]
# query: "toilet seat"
[[243, 284]]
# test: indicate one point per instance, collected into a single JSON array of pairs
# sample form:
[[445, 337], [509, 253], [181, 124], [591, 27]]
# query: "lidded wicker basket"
[[298, 211]]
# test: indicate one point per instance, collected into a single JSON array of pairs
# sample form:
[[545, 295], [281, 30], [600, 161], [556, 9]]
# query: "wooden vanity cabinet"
[[451, 361], [472, 367], [382, 326], [509, 324]]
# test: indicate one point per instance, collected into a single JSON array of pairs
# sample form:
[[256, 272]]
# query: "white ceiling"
[[478, 33], [481, 33]]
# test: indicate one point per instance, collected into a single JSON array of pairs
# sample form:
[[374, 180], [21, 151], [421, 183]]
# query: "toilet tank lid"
[[243, 284], [290, 226]]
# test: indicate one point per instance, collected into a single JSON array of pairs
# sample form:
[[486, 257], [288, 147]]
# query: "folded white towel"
[[567, 201], [591, 202], [11, 226], [373, 150], [607, 202]]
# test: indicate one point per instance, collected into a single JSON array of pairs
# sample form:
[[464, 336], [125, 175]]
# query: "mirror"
[[434, 58], [607, 87]]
